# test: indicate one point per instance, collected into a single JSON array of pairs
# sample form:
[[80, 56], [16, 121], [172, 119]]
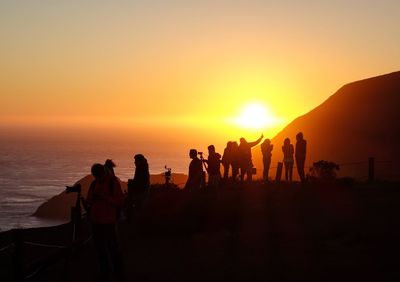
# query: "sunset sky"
[[186, 64]]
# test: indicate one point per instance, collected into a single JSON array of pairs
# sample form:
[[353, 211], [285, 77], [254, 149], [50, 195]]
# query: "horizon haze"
[[170, 68]]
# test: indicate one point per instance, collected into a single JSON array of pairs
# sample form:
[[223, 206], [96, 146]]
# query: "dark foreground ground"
[[254, 233]]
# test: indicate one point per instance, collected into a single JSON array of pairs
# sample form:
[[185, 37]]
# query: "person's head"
[[193, 153], [242, 140], [139, 159], [109, 166], [229, 144], [109, 163], [286, 142], [299, 136], [267, 141], [98, 171], [211, 149]]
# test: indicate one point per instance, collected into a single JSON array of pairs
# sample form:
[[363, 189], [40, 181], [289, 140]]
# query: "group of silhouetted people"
[[237, 159], [105, 200], [290, 156]]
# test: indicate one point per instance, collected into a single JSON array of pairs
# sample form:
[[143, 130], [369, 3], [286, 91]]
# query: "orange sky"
[[163, 65]]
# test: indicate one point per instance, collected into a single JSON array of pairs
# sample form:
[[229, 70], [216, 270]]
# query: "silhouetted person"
[[235, 159], [195, 177], [266, 149], [214, 168], [300, 155], [288, 151], [109, 166], [104, 198], [227, 159], [138, 187], [244, 155]]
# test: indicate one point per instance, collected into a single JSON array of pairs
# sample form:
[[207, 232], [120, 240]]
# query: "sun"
[[255, 115]]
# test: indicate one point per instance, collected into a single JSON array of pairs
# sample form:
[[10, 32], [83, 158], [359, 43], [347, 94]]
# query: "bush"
[[323, 170]]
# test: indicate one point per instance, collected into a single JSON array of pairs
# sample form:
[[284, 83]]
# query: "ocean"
[[31, 171]]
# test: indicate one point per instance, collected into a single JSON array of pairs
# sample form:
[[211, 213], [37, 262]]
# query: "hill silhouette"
[[359, 121]]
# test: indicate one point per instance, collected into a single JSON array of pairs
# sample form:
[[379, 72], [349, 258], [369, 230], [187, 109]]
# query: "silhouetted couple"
[[103, 201], [196, 176], [230, 159], [238, 157], [300, 155]]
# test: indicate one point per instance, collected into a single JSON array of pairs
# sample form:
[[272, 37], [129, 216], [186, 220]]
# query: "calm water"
[[32, 172]]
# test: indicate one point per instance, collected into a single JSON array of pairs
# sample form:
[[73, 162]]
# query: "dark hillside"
[[360, 120]]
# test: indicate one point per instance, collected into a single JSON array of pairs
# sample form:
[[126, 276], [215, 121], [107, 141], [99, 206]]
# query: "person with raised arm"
[[244, 156]]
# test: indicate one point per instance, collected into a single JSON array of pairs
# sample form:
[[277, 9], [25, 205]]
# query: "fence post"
[[371, 169], [18, 270], [279, 172]]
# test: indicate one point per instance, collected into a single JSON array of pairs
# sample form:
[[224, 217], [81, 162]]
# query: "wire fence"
[[27, 262]]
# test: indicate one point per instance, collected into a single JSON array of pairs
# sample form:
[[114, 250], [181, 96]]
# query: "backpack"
[[119, 210]]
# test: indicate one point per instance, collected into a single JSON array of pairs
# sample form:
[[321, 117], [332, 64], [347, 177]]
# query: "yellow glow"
[[255, 115]]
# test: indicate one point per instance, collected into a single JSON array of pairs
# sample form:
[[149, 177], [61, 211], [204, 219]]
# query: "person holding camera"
[[214, 167], [104, 199]]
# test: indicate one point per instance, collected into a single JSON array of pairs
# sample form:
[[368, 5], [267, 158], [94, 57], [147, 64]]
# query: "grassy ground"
[[324, 232]]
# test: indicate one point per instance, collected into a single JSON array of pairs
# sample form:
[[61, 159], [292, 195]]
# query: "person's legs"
[[300, 169], [226, 170], [286, 171], [249, 172], [235, 171], [290, 172], [115, 253], [100, 242]]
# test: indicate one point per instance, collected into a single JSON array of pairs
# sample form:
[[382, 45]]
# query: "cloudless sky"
[[185, 63]]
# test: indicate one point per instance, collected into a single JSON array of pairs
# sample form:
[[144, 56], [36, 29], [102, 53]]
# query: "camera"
[[167, 175], [200, 154], [168, 172], [76, 188]]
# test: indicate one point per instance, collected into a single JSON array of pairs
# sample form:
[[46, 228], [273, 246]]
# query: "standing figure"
[[266, 149], [300, 155], [245, 162], [104, 198], [235, 160], [214, 168], [288, 160], [195, 176], [138, 187], [227, 159], [109, 166]]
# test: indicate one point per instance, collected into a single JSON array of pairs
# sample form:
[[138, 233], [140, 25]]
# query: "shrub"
[[323, 170]]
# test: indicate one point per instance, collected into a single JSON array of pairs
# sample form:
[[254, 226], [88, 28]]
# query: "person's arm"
[[252, 144]]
